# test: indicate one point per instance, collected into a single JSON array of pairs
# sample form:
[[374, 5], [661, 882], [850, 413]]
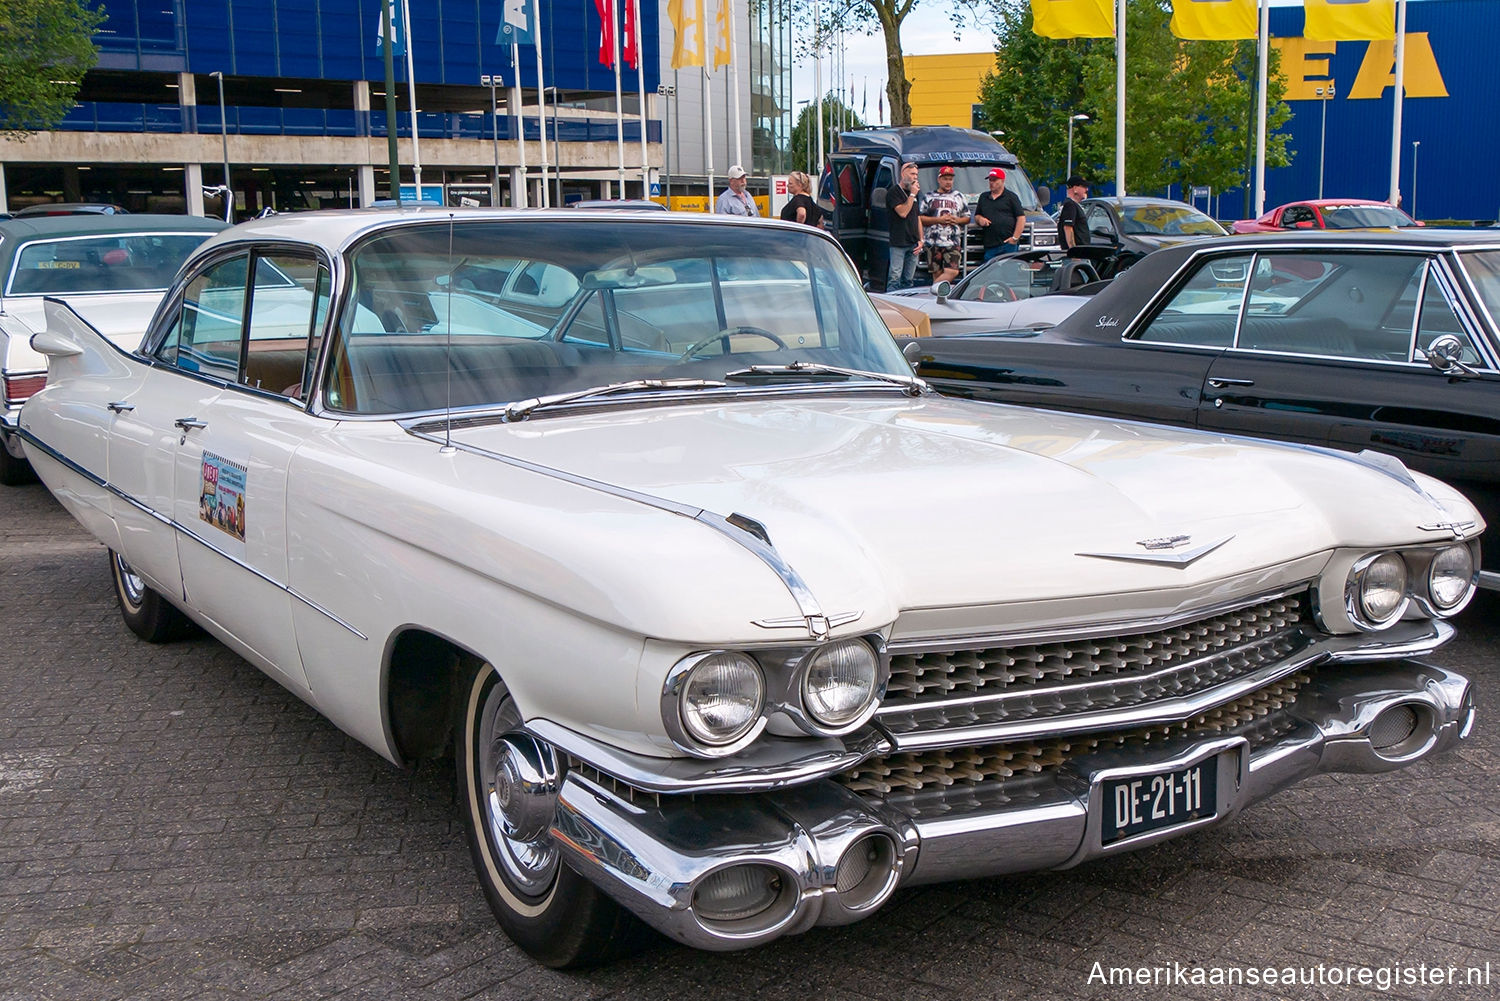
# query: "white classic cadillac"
[[629, 513]]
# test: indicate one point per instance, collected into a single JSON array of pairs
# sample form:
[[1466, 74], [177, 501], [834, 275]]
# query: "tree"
[[836, 116], [865, 16], [46, 46], [1189, 105]]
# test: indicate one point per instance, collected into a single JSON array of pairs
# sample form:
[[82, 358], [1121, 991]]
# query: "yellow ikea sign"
[[1305, 62]]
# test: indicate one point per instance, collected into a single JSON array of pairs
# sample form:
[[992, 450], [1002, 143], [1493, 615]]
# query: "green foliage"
[[46, 47], [804, 152], [1189, 106]]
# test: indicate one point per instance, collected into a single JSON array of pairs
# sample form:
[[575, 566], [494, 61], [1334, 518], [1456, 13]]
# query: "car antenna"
[[448, 448]]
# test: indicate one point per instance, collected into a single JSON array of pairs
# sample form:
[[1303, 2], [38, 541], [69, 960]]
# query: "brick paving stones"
[[174, 825]]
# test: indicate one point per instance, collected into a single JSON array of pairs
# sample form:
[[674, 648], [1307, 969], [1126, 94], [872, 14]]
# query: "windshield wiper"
[[913, 385], [521, 409]]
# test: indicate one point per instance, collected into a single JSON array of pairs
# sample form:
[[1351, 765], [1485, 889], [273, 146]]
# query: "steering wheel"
[[727, 333], [998, 292]]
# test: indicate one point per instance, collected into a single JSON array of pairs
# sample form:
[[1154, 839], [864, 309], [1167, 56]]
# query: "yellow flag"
[[1073, 18], [687, 32], [1350, 20], [1214, 20], [723, 56]]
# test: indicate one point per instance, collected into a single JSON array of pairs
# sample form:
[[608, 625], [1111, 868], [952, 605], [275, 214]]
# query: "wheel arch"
[[420, 689]]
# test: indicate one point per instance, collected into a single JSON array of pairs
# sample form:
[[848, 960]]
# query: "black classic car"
[[1378, 341]]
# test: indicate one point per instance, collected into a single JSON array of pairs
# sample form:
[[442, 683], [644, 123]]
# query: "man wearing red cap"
[[1000, 217], [945, 213]]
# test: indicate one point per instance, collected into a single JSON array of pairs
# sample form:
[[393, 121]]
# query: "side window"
[[1205, 310], [1099, 221], [848, 185], [288, 304], [205, 337], [1295, 214], [883, 181], [1330, 304], [587, 325], [1438, 319], [544, 285]]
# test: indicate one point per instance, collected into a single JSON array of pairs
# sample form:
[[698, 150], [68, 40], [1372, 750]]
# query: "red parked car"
[[1328, 213]]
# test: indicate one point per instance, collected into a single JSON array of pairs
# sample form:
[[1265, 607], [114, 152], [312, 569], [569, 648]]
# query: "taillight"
[[20, 388]]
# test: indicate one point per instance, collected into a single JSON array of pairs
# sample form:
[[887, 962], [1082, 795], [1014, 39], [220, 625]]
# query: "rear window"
[[120, 262]]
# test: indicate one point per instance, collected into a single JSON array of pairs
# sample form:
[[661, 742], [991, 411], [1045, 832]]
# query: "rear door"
[[850, 221]]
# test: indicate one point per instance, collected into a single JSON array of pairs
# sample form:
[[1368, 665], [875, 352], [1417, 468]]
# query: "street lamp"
[[224, 139], [486, 80], [1071, 120], [1324, 93], [1414, 144], [556, 156], [667, 91]]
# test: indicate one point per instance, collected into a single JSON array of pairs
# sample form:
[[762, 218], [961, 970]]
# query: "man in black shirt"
[[1000, 217], [1072, 227], [906, 228]]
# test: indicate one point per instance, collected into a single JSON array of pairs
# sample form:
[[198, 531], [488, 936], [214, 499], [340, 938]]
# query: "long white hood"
[[886, 504]]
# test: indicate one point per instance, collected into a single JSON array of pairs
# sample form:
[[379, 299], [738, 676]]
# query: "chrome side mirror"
[[942, 290], [1445, 354], [912, 353]]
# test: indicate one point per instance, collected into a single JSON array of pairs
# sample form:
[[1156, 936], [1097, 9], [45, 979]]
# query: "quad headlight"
[[716, 700], [1450, 578], [1380, 588], [840, 683]]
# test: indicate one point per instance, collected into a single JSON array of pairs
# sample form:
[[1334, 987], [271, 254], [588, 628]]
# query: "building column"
[[192, 183], [187, 97], [366, 185], [4, 198], [361, 107]]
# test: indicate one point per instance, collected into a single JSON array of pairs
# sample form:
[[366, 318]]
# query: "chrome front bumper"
[[651, 852]]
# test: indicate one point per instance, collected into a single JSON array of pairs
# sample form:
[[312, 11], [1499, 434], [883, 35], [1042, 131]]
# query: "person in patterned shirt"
[[945, 213]]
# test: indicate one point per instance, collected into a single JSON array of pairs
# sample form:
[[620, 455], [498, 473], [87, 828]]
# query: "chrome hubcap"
[[519, 795], [130, 583]]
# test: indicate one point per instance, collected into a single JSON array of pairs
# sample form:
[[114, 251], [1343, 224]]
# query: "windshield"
[[1167, 220], [973, 180], [532, 308], [120, 262], [1364, 217], [1010, 278]]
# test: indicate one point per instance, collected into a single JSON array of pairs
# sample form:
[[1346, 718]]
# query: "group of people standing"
[[935, 222]]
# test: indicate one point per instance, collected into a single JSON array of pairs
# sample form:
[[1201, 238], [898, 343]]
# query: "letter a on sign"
[[1073, 18], [1214, 20], [1350, 20]]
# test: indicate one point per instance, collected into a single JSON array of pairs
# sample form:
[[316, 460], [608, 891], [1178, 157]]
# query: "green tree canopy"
[[1189, 106], [46, 46], [836, 116]]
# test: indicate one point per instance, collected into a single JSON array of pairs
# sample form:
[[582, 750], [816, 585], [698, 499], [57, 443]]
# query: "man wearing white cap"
[[736, 200]]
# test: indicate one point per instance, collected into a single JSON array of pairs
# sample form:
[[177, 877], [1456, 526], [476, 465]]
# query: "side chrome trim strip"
[[146, 509], [1489, 580], [807, 603]]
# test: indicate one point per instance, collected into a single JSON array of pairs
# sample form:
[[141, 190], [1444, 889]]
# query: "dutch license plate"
[[1148, 803]]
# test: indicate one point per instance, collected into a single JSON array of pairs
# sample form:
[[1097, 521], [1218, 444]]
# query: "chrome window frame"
[[1485, 320]]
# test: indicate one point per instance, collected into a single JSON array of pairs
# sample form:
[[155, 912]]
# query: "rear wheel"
[[149, 615], [14, 472], [557, 916]]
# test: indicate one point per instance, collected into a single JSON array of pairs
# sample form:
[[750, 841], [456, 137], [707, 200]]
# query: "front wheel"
[[561, 919], [149, 615]]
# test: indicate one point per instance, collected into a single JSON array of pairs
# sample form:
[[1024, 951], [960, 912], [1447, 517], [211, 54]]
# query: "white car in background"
[[653, 573], [113, 269]]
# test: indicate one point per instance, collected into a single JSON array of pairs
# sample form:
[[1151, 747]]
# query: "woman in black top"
[[801, 207]]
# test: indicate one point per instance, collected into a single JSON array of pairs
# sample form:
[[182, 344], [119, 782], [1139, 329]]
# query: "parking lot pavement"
[[175, 825]]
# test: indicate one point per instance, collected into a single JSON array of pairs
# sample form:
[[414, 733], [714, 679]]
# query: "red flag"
[[606, 10], [631, 41]]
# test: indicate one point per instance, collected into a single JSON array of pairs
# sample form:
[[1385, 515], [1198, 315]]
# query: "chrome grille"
[[941, 780], [943, 690]]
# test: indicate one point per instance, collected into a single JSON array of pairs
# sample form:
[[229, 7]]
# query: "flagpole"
[[818, 77], [614, 30], [733, 78], [1120, 98], [411, 93], [519, 198], [1395, 198], [1263, 43], [708, 131], [640, 80], [541, 95]]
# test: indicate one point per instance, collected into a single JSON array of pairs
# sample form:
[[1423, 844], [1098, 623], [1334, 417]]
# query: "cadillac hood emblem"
[[1167, 550]]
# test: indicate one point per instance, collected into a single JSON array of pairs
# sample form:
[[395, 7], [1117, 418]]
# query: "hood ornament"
[[1167, 550]]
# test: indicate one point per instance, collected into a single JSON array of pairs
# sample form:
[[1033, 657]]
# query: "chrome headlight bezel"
[[1425, 596], [1354, 588], [879, 675], [676, 719]]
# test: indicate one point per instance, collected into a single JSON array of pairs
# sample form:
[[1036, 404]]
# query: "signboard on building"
[[432, 194]]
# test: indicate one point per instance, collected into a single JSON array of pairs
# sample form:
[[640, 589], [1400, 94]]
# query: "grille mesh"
[[968, 769]]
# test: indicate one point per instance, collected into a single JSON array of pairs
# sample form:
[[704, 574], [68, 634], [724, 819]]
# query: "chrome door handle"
[[1221, 383], [119, 407], [188, 423]]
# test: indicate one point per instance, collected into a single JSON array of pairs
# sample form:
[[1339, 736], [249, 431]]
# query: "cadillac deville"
[[625, 514]]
